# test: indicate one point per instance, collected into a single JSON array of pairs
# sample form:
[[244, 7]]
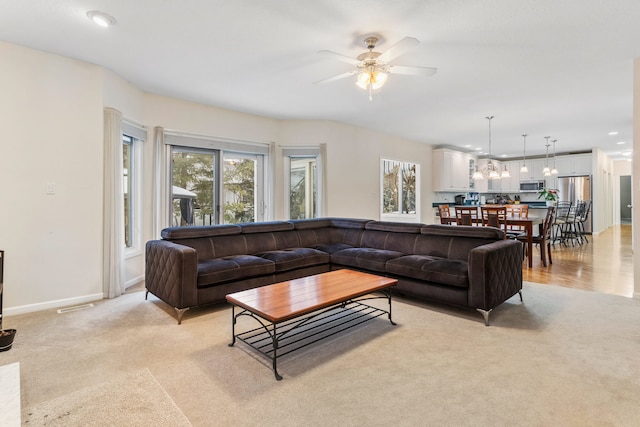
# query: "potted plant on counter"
[[550, 195]]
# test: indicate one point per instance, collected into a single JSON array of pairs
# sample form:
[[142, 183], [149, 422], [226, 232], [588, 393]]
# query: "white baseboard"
[[134, 281], [636, 295], [30, 308]]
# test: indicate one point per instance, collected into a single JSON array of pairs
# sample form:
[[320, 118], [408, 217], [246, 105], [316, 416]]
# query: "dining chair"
[[466, 215], [494, 216], [445, 214], [517, 211], [544, 239]]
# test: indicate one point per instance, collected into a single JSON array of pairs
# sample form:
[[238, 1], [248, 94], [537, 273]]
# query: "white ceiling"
[[542, 67]]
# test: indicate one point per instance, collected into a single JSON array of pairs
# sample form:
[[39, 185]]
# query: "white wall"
[[353, 157], [51, 112]]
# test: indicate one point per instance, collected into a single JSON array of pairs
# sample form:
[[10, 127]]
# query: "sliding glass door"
[[194, 198], [204, 180]]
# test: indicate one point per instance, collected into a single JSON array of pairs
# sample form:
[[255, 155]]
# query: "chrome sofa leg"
[[485, 314], [180, 312]]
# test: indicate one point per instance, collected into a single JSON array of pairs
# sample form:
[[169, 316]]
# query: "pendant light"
[[554, 171], [524, 169], [491, 168], [546, 171]]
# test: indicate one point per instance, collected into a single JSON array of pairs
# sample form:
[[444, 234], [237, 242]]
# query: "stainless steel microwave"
[[531, 186]]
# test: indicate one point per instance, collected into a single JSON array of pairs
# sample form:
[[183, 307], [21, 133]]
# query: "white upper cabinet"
[[575, 164], [511, 184], [535, 173], [451, 170]]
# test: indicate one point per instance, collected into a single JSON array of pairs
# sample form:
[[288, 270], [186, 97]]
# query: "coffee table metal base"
[[275, 340]]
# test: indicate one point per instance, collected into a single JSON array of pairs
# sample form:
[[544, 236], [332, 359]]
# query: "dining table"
[[526, 223]]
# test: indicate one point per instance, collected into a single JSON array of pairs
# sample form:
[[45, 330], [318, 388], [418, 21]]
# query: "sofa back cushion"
[[454, 241], [325, 231], [391, 236]]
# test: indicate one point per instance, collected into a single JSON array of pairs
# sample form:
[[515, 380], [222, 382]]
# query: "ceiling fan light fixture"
[[375, 78]]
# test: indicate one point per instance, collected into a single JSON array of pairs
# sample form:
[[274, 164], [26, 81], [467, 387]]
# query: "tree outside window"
[[399, 188]]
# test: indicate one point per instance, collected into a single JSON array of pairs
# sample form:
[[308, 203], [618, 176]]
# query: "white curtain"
[[113, 206], [160, 183]]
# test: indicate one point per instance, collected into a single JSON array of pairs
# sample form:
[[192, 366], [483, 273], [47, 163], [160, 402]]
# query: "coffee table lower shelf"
[[274, 340]]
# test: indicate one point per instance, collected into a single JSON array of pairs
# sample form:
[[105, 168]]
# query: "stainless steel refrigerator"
[[573, 189]]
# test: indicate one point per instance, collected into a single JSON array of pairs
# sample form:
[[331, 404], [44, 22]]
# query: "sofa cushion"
[[292, 258], [431, 269], [331, 248], [364, 258], [236, 267]]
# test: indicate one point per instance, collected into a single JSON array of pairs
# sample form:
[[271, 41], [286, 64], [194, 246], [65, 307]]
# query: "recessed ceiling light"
[[101, 18], [626, 153], [503, 155], [478, 148], [620, 142], [613, 132], [467, 146]]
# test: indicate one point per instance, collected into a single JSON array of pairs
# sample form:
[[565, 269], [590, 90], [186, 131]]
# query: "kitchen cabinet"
[[535, 173], [451, 171], [512, 184], [576, 164]]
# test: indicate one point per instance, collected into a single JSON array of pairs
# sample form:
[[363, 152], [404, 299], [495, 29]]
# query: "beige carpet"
[[136, 399], [563, 357]]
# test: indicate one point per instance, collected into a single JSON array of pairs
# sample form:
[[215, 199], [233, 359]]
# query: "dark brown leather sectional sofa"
[[464, 266]]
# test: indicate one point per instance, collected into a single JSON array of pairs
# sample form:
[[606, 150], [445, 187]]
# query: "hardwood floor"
[[605, 264]]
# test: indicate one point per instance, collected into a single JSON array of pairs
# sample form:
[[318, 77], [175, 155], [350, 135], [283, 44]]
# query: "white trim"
[[30, 308], [135, 130], [215, 143], [134, 281], [132, 253]]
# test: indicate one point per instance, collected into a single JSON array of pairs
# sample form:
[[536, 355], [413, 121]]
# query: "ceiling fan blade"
[[398, 49], [339, 57], [412, 71], [337, 77]]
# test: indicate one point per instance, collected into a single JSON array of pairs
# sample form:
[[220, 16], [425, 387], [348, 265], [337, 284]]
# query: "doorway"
[[625, 199]]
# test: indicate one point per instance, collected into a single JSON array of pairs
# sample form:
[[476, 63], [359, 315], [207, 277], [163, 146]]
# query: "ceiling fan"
[[373, 67]]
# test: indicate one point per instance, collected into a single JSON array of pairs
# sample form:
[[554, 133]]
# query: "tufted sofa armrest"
[[171, 273], [495, 273]]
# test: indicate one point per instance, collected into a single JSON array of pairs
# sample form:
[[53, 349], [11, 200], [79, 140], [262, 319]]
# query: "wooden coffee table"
[[299, 312]]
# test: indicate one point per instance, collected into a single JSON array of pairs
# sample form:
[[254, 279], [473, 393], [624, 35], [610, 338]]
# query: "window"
[[127, 186], [131, 189], [194, 197], [303, 179], [400, 190], [210, 185], [240, 191], [302, 188]]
